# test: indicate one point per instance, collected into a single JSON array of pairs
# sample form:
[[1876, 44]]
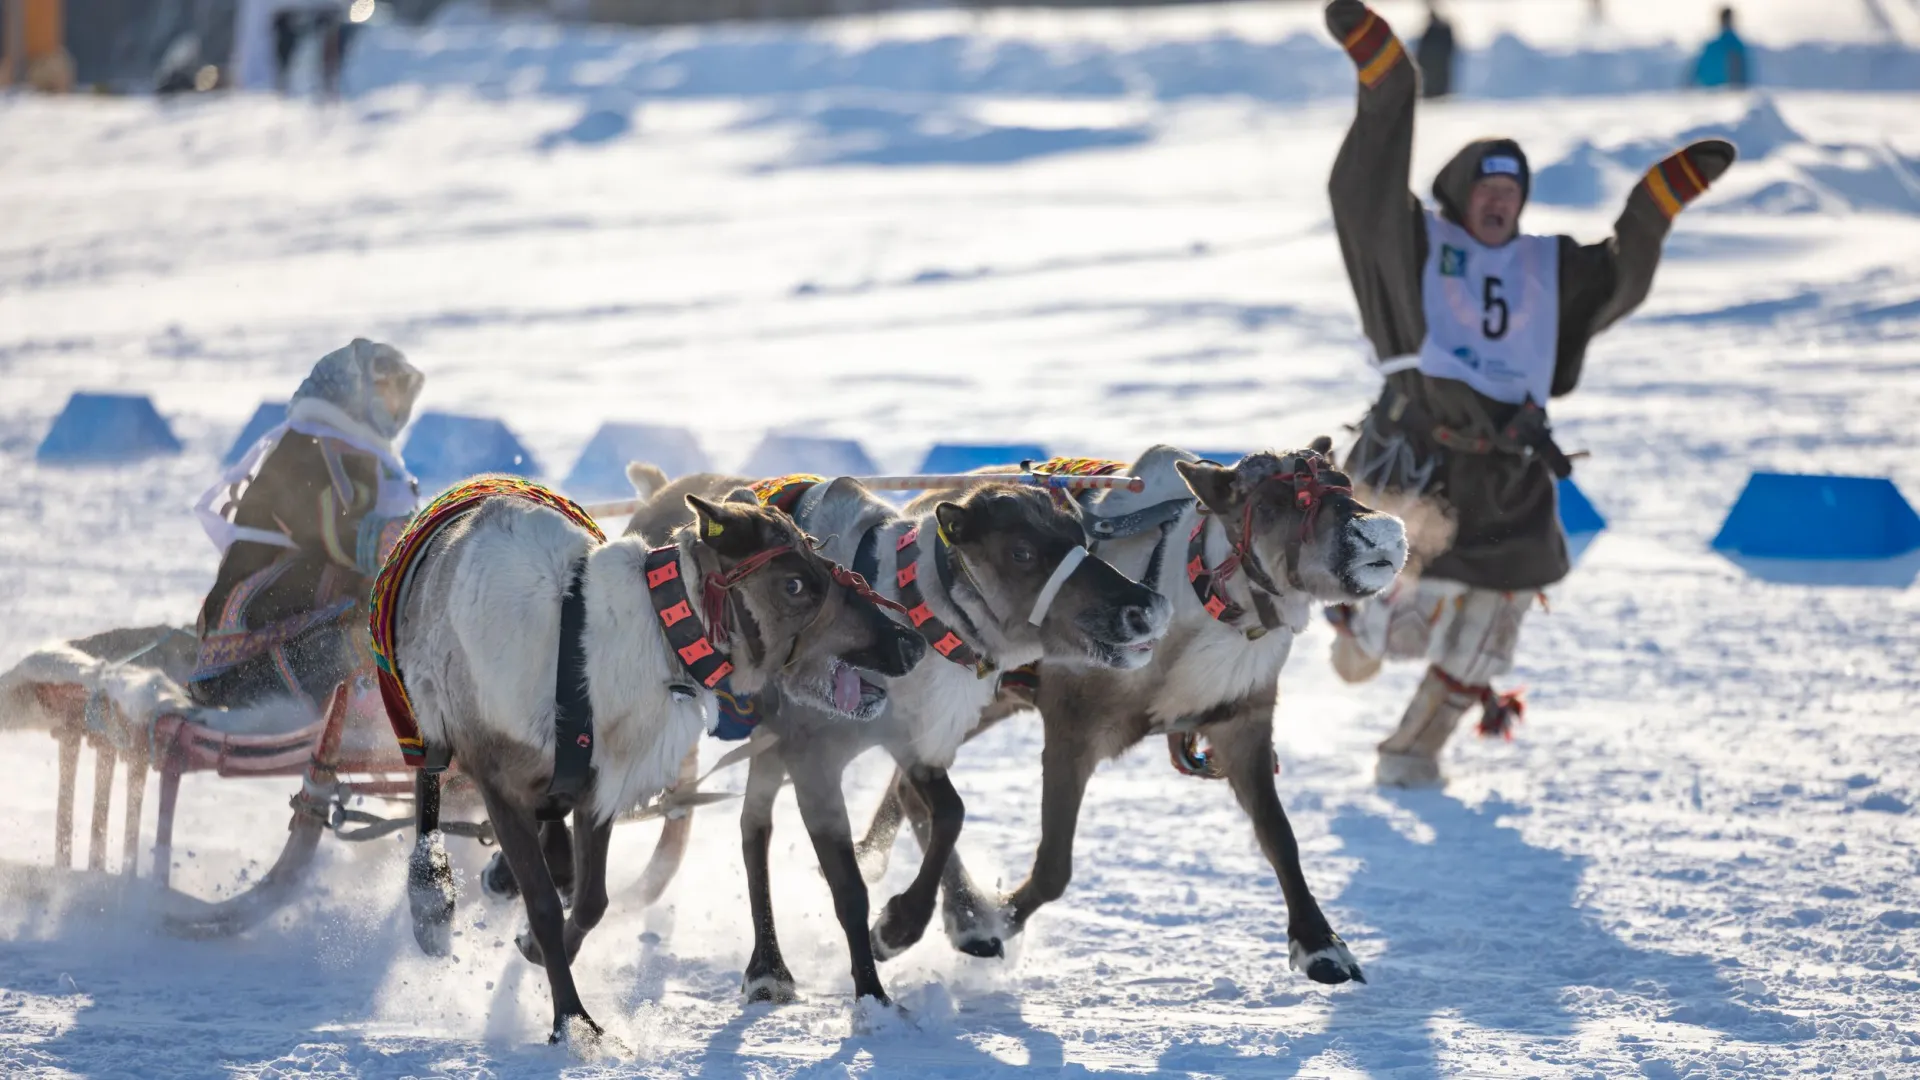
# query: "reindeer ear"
[[1322, 445], [1211, 484], [732, 530], [953, 521]]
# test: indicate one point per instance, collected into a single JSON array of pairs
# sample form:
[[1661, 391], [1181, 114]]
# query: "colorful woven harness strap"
[[1072, 466], [389, 586], [783, 492], [1076, 466]]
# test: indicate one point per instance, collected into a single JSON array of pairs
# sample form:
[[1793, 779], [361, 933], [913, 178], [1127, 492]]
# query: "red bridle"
[[714, 590], [1309, 494]]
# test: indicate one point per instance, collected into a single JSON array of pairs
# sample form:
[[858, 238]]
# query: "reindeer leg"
[[875, 850], [905, 917], [589, 877], [1244, 744], [545, 943], [556, 843], [816, 785], [767, 977], [1067, 763], [430, 889]]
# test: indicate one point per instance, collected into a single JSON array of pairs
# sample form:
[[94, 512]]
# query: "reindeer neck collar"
[[1209, 583], [939, 635], [698, 639]]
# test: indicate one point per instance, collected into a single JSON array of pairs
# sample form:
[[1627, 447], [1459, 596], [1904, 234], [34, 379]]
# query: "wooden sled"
[[333, 772]]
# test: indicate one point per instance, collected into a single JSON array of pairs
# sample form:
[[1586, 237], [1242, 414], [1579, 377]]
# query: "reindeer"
[[482, 649], [1263, 540], [993, 577]]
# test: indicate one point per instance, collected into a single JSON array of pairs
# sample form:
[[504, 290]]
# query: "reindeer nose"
[[1137, 621], [907, 649]]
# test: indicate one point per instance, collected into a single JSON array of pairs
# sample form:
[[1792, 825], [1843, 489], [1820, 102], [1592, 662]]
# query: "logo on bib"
[[1453, 261], [1468, 357]]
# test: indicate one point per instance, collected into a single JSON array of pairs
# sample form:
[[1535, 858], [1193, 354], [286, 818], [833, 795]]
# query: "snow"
[[1086, 230]]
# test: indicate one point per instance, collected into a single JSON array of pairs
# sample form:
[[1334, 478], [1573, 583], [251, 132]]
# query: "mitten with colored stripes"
[[1681, 177], [1368, 39]]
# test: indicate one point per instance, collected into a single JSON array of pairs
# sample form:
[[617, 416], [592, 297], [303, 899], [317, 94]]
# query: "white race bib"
[[1493, 314]]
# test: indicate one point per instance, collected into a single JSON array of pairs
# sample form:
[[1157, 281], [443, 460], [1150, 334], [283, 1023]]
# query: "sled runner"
[[131, 713]]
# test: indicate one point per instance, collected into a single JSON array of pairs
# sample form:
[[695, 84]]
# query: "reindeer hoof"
[[1414, 772], [580, 1035], [530, 948], [769, 987], [1331, 964], [974, 931], [896, 932], [496, 881], [984, 948], [430, 896]]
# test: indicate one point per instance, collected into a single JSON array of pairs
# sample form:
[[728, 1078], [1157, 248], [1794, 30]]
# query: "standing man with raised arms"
[[1476, 326]]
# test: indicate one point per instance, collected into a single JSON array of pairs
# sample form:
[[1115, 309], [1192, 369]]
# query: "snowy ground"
[[1697, 859]]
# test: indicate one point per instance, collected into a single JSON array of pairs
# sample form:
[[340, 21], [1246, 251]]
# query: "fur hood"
[[1479, 158], [345, 379]]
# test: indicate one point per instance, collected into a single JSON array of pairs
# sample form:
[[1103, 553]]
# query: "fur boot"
[[1410, 757]]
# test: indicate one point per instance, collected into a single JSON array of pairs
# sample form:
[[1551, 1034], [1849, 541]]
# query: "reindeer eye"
[[795, 586], [1021, 553]]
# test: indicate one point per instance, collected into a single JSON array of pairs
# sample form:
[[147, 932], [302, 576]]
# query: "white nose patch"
[[1386, 535], [1060, 575]]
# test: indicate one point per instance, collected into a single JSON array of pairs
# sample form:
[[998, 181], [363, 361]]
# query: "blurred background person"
[[1723, 61], [1434, 55], [269, 34]]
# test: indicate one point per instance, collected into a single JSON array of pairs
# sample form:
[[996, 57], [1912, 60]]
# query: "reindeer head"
[[790, 613], [1026, 556], [1294, 523]]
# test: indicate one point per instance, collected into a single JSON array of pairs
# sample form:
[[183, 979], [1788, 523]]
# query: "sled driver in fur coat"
[[1476, 325], [303, 522]]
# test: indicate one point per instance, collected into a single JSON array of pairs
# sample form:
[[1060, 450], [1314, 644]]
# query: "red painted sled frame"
[[329, 780]]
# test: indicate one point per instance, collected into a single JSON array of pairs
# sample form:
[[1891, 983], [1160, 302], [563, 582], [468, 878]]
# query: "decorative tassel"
[[1500, 712]]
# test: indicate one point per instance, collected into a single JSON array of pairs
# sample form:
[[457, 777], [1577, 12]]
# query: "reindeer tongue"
[[846, 688]]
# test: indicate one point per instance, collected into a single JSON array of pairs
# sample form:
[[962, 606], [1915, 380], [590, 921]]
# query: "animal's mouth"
[[1363, 579], [1124, 656], [853, 694]]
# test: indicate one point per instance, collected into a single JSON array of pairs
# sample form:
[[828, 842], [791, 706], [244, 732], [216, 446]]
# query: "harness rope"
[[1309, 494]]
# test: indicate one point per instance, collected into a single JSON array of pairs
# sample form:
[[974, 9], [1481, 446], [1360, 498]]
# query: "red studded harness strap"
[[938, 634], [688, 638]]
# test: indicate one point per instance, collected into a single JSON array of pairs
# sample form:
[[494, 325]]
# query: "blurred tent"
[[601, 471], [966, 457], [265, 418], [445, 448], [1579, 520], [781, 453], [98, 429]]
